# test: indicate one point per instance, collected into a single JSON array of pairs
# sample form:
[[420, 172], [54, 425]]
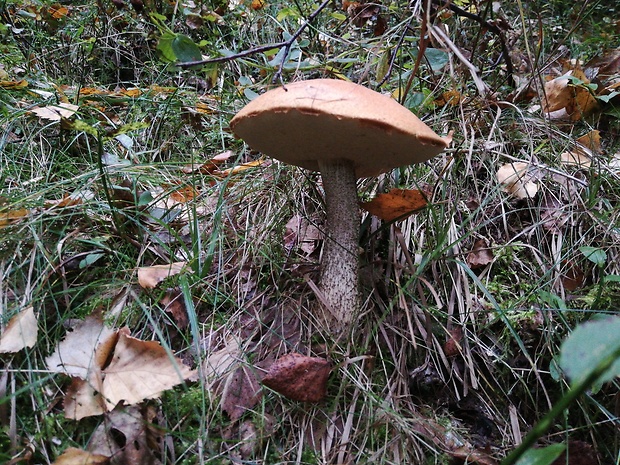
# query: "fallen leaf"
[[241, 392], [111, 366], [150, 276], [140, 370], [573, 276], [564, 100], [82, 399], [396, 204], [8, 217], [299, 377], [210, 165], [591, 140], [73, 456], [301, 233], [125, 435], [480, 255], [21, 332], [516, 179], [14, 84], [240, 168], [175, 305], [452, 346], [55, 112], [577, 157], [83, 350]]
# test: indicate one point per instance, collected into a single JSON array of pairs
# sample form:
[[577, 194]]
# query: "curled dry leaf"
[[299, 377], [516, 179], [126, 436], [396, 204], [480, 256], [21, 332], [209, 166], [565, 101], [150, 276], [581, 156], [74, 456], [301, 233], [452, 346]]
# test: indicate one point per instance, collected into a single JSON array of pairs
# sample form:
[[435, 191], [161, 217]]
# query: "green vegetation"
[[115, 157]]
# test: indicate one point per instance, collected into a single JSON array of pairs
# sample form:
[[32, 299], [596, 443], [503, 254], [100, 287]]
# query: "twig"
[[285, 44], [495, 30]]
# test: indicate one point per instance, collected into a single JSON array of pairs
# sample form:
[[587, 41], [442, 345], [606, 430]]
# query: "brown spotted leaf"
[[299, 377]]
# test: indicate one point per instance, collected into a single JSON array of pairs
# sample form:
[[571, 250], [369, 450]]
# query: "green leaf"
[[178, 47], [339, 16], [90, 259], [594, 254], [542, 456], [437, 59], [589, 345], [185, 49], [145, 198]]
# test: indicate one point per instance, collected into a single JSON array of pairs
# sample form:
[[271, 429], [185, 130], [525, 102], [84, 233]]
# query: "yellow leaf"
[[150, 276], [14, 84], [239, 168], [21, 332], [73, 456], [8, 217], [396, 204]]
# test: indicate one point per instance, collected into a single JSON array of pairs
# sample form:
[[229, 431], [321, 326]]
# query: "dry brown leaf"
[[581, 155], [8, 217], [150, 276], [56, 112], [221, 361], [76, 353], [13, 84], [396, 204], [21, 332], [240, 168], [301, 233], [566, 101], [516, 180], [299, 377], [452, 346], [73, 456], [577, 157], [241, 392], [83, 400], [480, 256], [209, 166], [140, 370], [591, 141], [175, 305], [124, 436]]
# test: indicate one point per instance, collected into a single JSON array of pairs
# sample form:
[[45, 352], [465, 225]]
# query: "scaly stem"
[[340, 260]]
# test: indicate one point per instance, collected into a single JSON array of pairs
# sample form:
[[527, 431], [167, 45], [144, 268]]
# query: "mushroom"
[[345, 131]]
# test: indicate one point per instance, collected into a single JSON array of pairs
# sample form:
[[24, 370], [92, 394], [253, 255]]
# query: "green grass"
[[394, 396]]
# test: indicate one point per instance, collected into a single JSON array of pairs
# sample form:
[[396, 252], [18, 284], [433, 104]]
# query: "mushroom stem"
[[340, 260]]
